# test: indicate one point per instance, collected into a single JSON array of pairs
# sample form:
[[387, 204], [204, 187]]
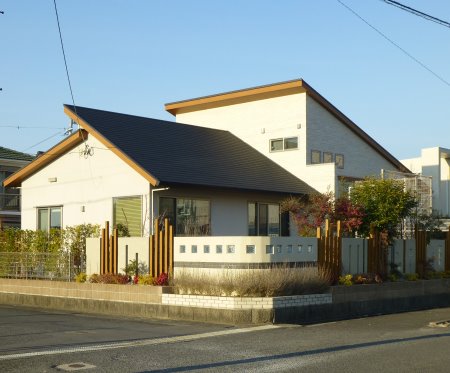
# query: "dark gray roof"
[[6, 153], [177, 153]]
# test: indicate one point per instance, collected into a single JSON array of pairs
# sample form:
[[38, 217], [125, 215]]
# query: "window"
[[231, 249], [206, 249], [276, 145], [263, 219], [218, 249], [291, 143], [287, 143], [250, 249], [49, 218], [327, 157], [316, 156], [190, 217], [339, 158], [127, 215]]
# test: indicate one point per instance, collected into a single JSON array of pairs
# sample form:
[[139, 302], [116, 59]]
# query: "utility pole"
[[1, 12]]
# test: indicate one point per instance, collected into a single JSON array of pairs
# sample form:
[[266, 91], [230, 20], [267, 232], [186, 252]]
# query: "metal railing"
[[48, 266], [9, 202]]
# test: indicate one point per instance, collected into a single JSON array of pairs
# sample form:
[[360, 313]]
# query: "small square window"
[[299, 248], [279, 249], [182, 249], [276, 145], [218, 249], [309, 248], [316, 156], [231, 249], [327, 157], [291, 143], [194, 249], [206, 249], [269, 249], [339, 159], [250, 249], [289, 249]]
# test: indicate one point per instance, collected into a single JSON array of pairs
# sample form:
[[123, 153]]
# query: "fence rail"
[[59, 266]]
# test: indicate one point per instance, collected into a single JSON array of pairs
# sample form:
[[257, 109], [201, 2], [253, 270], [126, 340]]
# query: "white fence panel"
[[354, 255], [436, 251]]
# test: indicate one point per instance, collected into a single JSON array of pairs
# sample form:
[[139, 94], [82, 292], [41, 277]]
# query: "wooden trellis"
[[329, 249], [109, 245]]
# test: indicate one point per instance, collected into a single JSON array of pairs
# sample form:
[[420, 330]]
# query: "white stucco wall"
[[90, 181], [327, 134], [434, 162], [299, 115]]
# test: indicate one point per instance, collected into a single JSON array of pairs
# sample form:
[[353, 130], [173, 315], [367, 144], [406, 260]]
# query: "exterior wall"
[[90, 182], [258, 122], [229, 209], [434, 162], [326, 133]]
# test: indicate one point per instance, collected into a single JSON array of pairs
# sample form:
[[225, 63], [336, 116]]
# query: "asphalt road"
[[44, 341]]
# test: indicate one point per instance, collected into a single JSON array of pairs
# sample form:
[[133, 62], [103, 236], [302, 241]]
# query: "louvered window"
[[128, 215]]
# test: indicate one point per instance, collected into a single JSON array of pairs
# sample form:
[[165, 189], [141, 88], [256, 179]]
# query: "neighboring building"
[[10, 161], [296, 127], [127, 170], [434, 163]]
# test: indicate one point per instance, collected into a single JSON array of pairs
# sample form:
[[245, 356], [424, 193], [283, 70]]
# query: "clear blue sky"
[[134, 56]]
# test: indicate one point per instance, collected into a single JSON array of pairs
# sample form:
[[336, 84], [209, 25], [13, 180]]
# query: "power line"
[[30, 127], [417, 12], [65, 64], [40, 142], [395, 44]]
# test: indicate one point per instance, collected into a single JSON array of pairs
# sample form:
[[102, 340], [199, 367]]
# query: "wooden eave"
[[48, 157], [140, 170], [236, 97], [278, 90]]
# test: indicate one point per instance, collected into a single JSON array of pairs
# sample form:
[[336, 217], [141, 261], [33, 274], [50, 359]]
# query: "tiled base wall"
[[245, 303]]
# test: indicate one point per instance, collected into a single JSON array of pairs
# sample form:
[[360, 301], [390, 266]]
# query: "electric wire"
[[417, 12], [395, 44], [65, 62], [42, 141], [19, 127]]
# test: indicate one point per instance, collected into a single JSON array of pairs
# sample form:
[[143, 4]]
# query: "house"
[[221, 169], [434, 163], [128, 170], [10, 161], [296, 127]]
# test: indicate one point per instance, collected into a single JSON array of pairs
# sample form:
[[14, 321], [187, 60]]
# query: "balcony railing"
[[9, 202]]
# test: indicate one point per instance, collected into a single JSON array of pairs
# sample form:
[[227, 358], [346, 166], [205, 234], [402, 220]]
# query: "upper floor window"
[[49, 218], [286, 143], [339, 159], [316, 156], [327, 157]]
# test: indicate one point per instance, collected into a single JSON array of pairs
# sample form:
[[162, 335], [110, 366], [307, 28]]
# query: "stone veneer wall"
[[245, 303]]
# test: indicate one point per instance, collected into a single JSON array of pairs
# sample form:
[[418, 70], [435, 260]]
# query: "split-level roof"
[[167, 153], [277, 90]]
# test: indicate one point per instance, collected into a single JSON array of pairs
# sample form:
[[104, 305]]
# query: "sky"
[[133, 56]]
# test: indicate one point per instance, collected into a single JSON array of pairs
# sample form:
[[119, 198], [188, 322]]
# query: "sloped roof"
[[6, 153], [276, 90], [168, 153]]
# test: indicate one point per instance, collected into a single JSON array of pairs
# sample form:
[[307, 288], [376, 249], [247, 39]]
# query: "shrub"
[[276, 281], [346, 280], [146, 280], [162, 280], [109, 278], [412, 276], [81, 277]]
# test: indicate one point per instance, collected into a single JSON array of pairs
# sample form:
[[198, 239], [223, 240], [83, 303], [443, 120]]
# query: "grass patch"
[[272, 282]]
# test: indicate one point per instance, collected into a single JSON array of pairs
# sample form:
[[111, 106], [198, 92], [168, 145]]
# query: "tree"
[[310, 213], [386, 203]]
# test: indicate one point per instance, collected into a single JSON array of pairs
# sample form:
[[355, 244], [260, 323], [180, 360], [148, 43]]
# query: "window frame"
[[316, 152], [339, 164], [49, 217], [283, 141], [330, 154]]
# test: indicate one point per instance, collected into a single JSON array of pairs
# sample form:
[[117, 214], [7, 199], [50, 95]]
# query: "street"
[[35, 340]]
